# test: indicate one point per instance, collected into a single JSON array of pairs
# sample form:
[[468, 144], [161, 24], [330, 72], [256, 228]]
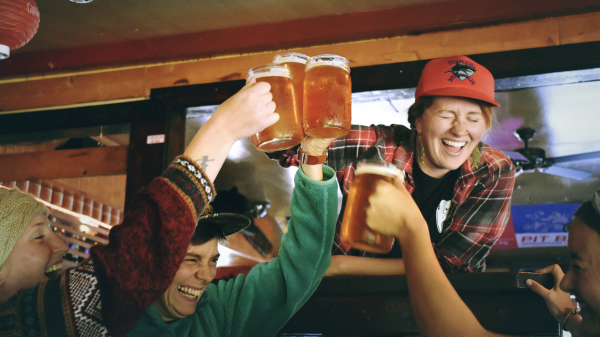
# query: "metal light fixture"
[[81, 1]]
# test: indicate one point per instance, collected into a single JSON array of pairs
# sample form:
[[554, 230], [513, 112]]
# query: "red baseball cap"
[[456, 76]]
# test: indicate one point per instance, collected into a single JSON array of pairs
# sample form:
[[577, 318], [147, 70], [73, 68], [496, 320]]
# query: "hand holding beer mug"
[[287, 132], [355, 232], [392, 210], [327, 97]]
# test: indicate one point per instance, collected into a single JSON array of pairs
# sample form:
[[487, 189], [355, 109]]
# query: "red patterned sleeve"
[[113, 288]]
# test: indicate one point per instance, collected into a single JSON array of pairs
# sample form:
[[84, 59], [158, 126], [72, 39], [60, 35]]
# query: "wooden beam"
[[406, 74], [398, 21], [93, 86], [64, 163]]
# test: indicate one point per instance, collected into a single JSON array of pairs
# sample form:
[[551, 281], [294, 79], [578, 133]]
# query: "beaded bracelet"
[[571, 313]]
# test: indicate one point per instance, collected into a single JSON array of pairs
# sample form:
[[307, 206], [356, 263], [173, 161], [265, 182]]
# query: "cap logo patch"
[[462, 70]]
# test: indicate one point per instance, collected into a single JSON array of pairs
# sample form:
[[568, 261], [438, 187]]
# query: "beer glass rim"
[[328, 60], [269, 70], [291, 57], [380, 168]]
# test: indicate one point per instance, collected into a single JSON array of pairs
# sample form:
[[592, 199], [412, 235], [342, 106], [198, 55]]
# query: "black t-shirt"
[[433, 197]]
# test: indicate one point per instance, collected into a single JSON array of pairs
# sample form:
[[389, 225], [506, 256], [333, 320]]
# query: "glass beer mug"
[[327, 97], [354, 231], [297, 63], [287, 132]]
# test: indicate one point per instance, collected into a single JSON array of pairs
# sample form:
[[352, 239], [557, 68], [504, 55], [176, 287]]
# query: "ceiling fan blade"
[[566, 172], [575, 157], [515, 155]]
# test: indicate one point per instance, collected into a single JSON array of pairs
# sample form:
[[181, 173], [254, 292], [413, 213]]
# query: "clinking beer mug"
[[355, 232], [297, 64], [287, 132], [327, 97]]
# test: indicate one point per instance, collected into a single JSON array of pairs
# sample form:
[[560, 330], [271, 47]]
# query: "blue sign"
[[546, 218], [542, 225]]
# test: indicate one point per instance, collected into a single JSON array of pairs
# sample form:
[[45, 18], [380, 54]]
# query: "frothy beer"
[[287, 132], [297, 64], [327, 97], [355, 232]]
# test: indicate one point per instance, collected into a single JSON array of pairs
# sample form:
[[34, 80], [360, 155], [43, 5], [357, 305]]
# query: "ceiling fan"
[[529, 159]]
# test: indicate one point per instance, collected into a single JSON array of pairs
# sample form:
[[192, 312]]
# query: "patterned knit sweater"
[[107, 294]]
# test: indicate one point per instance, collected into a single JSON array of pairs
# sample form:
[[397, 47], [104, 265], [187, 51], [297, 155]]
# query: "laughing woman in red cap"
[[461, 186]]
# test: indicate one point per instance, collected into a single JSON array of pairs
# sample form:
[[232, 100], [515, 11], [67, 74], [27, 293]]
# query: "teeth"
[[455, 144], [55, 267], [189, 292]]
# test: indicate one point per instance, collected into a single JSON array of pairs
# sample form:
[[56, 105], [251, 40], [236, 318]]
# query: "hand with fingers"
[[391, 209], [247, 112], [315, 146], [559, 302]]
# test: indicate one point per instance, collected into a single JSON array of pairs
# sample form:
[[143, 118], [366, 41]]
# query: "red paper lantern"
[[19, 21]]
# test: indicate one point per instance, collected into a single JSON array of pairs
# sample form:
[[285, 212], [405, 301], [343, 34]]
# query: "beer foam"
[[271, 70], [291, 57], [328, 60], [387, 171]]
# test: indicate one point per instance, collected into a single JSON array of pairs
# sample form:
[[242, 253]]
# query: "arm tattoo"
[[203, 162]]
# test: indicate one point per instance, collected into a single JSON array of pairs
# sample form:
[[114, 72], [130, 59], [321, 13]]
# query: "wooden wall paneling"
[[401, 20], [28, 148], [534, 34], [108, 189], [104, 86], [124, 83], [115, 84], [579, 28], [406, 74], [63, 163]]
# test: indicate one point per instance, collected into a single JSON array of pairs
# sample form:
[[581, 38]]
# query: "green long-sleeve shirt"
[[260, 303]]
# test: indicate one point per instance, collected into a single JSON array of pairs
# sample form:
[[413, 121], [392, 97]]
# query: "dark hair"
[[423, 103], [205, 233], [587, 213]]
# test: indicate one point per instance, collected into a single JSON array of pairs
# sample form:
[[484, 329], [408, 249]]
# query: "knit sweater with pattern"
[[260, 303], [107, 293]]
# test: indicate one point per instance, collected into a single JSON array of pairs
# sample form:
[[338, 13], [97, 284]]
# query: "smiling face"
[[583, 277], [195, 273], [36, 255], [450, 129]]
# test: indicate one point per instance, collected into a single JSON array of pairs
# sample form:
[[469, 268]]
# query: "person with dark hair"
[[438, 309], [462, 186], [260, 303], [107, 293]]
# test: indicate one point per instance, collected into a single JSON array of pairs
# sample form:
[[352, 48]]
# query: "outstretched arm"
[[154, 236], [285, 283], [244, 114], [151, 241], [360, 265], [438, 309]]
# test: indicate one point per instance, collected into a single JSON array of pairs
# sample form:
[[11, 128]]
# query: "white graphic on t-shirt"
[[441, 213]]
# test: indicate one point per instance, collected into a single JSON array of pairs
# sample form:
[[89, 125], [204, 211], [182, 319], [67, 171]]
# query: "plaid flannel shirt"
[[480, 206]]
